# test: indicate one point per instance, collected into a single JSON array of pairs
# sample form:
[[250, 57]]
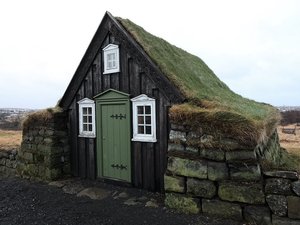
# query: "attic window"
[[87, 118], [111, 59], [144, 123]]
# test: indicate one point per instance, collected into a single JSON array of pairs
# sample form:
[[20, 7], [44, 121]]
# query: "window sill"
[[111, 71], [87, 135], [144, 139]]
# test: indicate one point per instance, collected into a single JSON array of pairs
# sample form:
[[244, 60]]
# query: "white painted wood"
[[86, 103], [111, 59]]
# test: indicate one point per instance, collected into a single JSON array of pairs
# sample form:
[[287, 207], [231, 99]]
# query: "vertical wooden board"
[[114, 81], [106, 81], [91, 162], [81, 141], [135, 88], [137, 172], [148, 166], [97, 74], [89, 84], [124, 79], [82, 157], [164, 134], [73, 122]]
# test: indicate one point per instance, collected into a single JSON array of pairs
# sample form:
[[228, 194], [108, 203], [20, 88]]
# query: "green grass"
[[201, 87]]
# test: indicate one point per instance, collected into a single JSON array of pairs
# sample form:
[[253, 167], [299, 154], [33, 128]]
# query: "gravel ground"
[[28, 202]]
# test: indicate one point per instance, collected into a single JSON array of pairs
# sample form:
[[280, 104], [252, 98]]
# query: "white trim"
[[143, 100], [111, 49], [86, 103]]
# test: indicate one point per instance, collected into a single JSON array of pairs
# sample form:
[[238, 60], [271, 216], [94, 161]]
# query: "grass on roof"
[[204, 91]]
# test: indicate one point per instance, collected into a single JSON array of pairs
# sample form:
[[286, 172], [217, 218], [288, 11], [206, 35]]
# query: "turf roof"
[[205, 92]]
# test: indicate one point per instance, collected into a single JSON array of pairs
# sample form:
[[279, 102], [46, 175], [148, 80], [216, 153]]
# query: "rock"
[[175, 184], [217, 171], [94, 193], [4, 154], [276, 220], [293, 207], [282, 174], [132, 201], [182, 203], [121, 195], [188, 168], [278, 204], [2, 162], [152, 204], [296, 187], [222, 209], [191, 149], [257, 215], [244, 171], [28, 157], [201, 188], [175, 147], [246, 192], [278, 186], [73, 188], [241, 155], [213, 154], [60, 183], [176, 136], [177, 127]]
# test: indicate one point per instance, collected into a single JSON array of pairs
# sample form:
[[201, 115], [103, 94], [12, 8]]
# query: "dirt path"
[[25, 202]]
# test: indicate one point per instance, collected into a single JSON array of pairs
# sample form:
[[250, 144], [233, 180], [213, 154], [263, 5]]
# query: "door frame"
[[111, 97]]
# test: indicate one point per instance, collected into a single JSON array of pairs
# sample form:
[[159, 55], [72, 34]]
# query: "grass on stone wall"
[[208, 97]]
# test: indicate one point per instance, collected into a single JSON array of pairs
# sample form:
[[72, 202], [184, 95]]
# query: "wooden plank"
[[89, 85], [148, 166], [158, 153], [82, 157], [91, 162], [97, 76], [137, 165], [135, 87], [73, 132], [114, 81]]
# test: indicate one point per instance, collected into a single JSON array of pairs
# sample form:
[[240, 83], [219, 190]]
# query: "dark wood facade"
[[138, 75]]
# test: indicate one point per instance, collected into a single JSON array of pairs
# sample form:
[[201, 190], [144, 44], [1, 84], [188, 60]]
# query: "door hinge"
[[120, 116]]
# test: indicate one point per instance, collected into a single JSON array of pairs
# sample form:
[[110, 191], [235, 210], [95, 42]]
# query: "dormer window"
[[144, 123], [111, 59], [87, 118]]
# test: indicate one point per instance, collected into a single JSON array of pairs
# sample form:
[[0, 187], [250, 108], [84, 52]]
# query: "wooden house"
[[119, 98]]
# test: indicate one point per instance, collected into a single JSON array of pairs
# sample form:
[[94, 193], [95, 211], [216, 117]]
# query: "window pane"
[[84, 127], [140, 129], [90, 119], [84, 110], [90, 127], [140, 119], [90, 110], [85, 119], [140, 109], [148, 119], [147, 109], [148, 129]]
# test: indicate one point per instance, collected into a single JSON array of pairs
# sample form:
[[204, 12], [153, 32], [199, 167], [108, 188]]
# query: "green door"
[[113, 136]]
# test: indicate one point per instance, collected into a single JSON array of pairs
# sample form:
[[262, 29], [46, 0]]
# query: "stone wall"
[[44, 152], [229, 181], [8, 162]]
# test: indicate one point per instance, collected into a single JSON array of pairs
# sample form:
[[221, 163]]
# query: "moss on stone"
[[182, 203]]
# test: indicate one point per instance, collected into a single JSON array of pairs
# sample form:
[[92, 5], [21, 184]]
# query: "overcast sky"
[[252, 45]]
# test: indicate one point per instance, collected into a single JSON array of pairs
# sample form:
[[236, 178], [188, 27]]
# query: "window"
[[87, 118], [144, 127], [111, 59]]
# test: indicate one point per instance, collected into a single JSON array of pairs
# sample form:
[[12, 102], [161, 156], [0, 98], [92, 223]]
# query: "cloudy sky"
[[252, 45]]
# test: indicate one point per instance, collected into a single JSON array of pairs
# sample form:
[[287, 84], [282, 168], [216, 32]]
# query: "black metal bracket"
[[120, 116], [117, 166]]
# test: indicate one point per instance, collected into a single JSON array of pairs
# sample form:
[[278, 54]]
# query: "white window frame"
[[143, 100], [86, 102], [111, 49]]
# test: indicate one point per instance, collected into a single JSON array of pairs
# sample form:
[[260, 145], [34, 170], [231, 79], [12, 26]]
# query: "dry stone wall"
[[8, 162], [44, 152], [229, 181]]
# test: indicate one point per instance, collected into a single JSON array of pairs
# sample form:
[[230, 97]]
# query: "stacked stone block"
[[8, 162], [228, 181], [44, 152]]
